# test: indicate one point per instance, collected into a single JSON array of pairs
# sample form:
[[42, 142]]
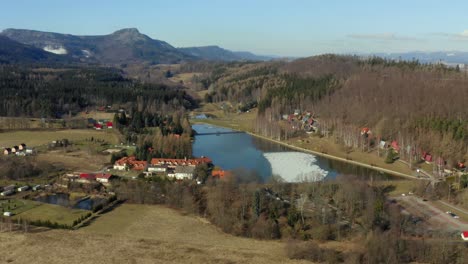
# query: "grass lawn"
[[36, 138], [54, 213], [397, 187], [17, 206]]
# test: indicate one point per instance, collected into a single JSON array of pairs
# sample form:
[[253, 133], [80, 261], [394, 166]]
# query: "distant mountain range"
[[447, 57], [15, 52], [123, 46], [219, 54]]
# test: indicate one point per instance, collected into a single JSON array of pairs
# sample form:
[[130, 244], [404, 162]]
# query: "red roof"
[[428, 158], [461, 165], [97, 125], [220, 174], [193, 162], [395, 146], [109, 124], [465, 234], [87, 176], [103, 175]]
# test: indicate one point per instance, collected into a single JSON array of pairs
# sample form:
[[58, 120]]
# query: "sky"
[[268, 27]]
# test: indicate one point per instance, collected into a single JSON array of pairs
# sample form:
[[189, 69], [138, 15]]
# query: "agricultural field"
[[53, 213], [140, 234], [37, 138], [32, 210], [17, 206]]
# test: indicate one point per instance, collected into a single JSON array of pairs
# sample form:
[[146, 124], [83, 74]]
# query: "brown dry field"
[[77, 160], [36, 138], [140, 234]]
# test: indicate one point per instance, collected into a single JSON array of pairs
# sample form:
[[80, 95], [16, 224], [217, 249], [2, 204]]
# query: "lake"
[[63, 199], [266, 158]]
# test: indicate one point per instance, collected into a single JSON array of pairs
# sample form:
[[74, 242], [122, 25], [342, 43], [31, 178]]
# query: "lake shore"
[[314, 152]]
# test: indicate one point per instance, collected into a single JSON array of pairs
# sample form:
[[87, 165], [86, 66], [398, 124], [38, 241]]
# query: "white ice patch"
[[56, 50], [295, 166], [86, 53]]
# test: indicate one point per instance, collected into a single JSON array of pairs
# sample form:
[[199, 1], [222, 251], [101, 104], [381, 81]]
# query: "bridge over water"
[[219, 133]]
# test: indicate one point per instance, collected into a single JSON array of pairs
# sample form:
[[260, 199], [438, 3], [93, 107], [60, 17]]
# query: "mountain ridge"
[[125, 45]]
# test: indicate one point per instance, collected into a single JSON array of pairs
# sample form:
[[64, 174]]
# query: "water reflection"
[[233, 151]]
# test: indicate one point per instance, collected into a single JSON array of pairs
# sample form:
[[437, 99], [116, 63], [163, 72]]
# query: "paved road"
[[435, 218]]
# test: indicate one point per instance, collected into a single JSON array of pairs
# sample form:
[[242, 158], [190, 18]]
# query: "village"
[[428, 164]]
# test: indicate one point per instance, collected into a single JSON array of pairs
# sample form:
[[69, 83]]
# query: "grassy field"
[[53, 213], [140, 234], [36, 138], [78, 160], [17, 206]]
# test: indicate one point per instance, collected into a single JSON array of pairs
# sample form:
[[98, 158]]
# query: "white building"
[[184, 172], [157, 168]]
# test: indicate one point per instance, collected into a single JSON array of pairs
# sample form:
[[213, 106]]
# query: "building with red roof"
[[130, 163], [395, 146], [103, 177], [180, 162], [109, 124], [86, 177], [464, 235]]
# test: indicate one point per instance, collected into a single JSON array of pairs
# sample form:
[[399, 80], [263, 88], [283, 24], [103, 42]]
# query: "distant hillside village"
[[180, 169], [176, 169], [308, 122]]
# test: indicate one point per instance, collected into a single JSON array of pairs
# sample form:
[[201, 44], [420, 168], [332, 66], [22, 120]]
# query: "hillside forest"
[[420, 106]]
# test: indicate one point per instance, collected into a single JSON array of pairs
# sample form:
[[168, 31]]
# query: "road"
[[435, 218]]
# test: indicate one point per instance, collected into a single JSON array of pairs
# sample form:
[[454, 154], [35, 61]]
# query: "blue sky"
[[288, 28]]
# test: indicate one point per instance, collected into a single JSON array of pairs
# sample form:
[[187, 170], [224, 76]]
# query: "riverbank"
[[366, 160]]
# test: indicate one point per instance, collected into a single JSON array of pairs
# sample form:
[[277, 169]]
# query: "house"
[[184, 172], [29, 151], [138, 165], [427, 157], [219, 174], [103, 177], [172, 163], [37, 187], [157, 168], [23, 188], [8, 214], [7, 151], [109, 124], [121, 164], [365, 131], [382, 144], [98, 126], [130, 162], [395, 146], [464, 235], [86, 177]]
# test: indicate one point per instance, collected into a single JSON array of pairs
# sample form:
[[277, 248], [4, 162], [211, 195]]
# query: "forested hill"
[[421, 106], [123, 46], [48, 92], [215, 53], [15, 52]]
